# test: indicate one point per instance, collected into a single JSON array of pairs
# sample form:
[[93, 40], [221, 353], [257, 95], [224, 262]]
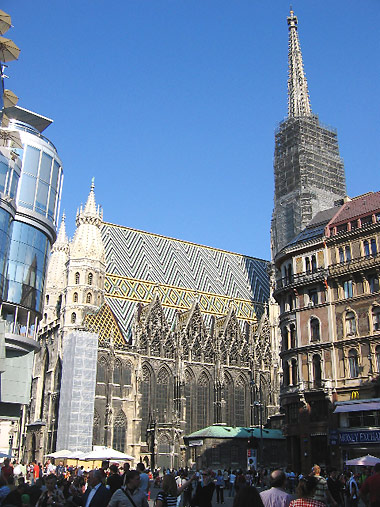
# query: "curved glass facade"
[[5, 237], [27, 260], [42, 175]]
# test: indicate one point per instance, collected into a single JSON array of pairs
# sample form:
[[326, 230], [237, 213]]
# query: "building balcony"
[[299, 279], [355, 265]]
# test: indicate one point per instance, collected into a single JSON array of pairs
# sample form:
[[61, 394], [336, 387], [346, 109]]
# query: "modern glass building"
[[30, 190], [30, 184]]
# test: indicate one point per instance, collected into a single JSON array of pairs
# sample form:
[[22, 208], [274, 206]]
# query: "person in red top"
[[7, 469], [36, 471], [370, 490], [305, 491]]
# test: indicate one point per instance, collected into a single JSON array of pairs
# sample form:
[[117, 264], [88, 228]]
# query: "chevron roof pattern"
[[142, 264]]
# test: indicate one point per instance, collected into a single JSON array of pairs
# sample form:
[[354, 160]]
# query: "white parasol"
[[107, 454], [368, 461]]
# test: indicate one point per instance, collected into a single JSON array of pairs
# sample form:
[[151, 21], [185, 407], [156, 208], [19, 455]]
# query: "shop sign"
[[359, 437]]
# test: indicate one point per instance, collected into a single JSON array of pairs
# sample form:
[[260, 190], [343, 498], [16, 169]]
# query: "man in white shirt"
[[276, 496]]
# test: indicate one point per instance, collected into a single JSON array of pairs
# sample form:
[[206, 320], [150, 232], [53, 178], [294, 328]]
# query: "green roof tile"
[[221, 431]]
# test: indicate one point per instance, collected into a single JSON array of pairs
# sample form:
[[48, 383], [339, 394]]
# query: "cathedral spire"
[[62, 236], [298, 94]]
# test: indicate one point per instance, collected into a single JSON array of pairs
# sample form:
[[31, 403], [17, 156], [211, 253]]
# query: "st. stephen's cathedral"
[[178, 334]]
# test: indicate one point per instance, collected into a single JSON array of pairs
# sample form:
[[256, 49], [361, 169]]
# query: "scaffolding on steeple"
[[308, 171]]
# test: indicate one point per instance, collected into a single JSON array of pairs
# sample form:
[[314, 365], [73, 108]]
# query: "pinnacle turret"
[[90, 213], [298, 94]]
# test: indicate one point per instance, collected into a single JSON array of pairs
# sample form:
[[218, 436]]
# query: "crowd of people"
[[113, 486]]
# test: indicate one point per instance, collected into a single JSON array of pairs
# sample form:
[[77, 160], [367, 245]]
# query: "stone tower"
[[308, 171], [85, 268], [56, 275]]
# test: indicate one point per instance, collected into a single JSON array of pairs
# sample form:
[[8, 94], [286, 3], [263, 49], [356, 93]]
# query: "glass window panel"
[[51, 207], [3, 175], [45, 168], [14, 185], [55, 174], [28, 189], [42, 195], [373, 246], [32, 157]]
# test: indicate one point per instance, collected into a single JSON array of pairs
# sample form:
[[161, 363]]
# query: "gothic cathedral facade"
[[183, 339]]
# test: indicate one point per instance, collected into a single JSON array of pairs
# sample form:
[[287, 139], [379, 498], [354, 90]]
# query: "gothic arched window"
[[228, 396], [353, 363], [117, 373], [47, 299], [89, 298], [127, 374], [239, 400], [146, 400], [73, 318], [119, 432], [77, 278], [101, 370], [75, 297], [189, 405], [163, 446], [203, 402], [90, 278], [162, 395], [45, 369]]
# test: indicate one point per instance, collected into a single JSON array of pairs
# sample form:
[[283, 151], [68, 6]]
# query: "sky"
[[171, 105]]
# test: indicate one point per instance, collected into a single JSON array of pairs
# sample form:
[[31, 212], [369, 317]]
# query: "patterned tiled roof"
[[141, 265]]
